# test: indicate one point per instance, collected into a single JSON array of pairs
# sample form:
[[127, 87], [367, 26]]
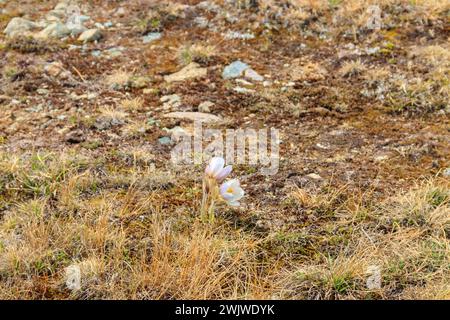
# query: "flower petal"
[[215, 165], [231, 192], [222, 174]]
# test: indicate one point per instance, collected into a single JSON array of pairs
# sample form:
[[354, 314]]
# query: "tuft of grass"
[[118, 79], [132, 105], [196, 53], [352, 68]]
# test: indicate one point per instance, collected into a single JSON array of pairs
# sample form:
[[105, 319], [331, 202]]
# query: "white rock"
[[73, 277], [205, 106], [243, 90], [253, 75], [244, 82], [90, 35], [314, 176], [120, 12], [192, 70], [194, 116], [446, 172]]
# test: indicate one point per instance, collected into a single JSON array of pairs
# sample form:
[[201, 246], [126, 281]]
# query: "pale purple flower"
[[231, 192], [216, 170]]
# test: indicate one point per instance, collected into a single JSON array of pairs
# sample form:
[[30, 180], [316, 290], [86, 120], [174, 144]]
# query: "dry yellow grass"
[[129, 239], [132, 105]]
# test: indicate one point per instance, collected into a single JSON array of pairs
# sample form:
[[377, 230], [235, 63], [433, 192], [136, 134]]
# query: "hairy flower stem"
[[208, 199]]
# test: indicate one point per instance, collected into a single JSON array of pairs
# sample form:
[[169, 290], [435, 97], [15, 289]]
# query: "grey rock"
[[165, 140], [171, 101], [55, 30], [114, 51], [234, 70], [201, 22], [76, 29], [151, 37], [19, 27], [103, 123], [96, 53]]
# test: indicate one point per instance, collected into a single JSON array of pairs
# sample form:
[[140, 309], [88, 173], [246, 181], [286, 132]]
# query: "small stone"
[[314, 176], [205, 106], [42, 91], [120, 12], [76, 136], [170, 101], [90, 35], [114, 52], [151, 37], [165, 140], [201, 22], [96, 53], [194, 116], [104, 122], [446, 172], [231, 35], [263, 225], [381, 157], [234, 70], [244, 82], [243, 90], [19, 27], [73, 277], [177, 133], [56, 69], [192, 70]]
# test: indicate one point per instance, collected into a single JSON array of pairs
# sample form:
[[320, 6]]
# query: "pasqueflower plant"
[[214, 189]]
